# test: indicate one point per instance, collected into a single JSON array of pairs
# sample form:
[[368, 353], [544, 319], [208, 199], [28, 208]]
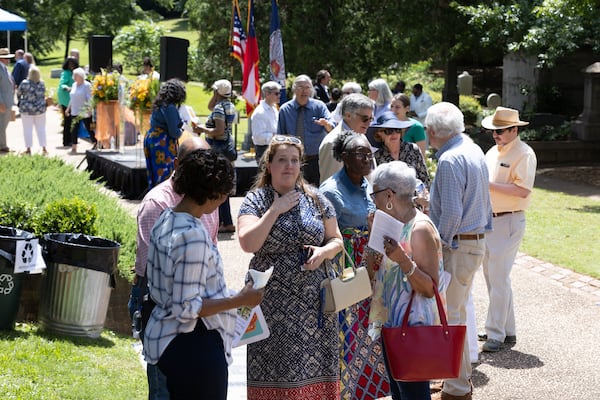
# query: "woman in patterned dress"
[[288, 225], [160, 142], [412, 263], [362, 369], [387, 134], [32, 106]]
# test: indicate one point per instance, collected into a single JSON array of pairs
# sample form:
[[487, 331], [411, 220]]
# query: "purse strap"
[[440, 308], [332, 271]]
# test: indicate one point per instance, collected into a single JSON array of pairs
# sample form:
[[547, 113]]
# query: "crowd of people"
[[327, 160], [321, 176]]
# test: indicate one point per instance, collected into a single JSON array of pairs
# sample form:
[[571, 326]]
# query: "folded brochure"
[[250, 325]]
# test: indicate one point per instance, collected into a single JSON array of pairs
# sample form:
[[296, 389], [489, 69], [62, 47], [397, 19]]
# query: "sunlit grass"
[[36, 365], [564, 230]]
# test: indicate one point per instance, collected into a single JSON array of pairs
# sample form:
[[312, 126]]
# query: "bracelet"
[[413, 268]]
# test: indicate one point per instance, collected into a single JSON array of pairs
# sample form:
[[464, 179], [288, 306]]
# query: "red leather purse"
[[422, 353]]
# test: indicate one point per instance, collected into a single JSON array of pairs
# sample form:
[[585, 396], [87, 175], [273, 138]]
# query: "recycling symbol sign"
[[6, 284]]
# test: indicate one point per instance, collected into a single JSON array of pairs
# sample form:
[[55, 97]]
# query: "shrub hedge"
[[42, 195]]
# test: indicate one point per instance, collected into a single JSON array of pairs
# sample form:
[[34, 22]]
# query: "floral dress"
[[411, 155], [160, 143], [392, 293], [299, 361]]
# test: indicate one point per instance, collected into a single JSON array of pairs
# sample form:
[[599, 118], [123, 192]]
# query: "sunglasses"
[[379, 191], [499, 131], [285, 139], [364, 118], [391, 131], [361, 156]]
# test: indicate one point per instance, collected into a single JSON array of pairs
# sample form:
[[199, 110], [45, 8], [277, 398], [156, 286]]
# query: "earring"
[[389, 205]]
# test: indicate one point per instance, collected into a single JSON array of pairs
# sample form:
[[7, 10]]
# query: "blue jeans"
[[157, 383]]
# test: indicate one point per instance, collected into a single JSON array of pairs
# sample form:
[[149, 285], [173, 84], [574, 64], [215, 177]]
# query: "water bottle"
[[136, 324], [112, 142]]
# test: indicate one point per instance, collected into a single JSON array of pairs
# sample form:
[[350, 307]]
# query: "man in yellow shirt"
[[511, 164]]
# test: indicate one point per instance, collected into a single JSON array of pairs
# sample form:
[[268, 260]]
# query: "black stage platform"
[[125, 172]]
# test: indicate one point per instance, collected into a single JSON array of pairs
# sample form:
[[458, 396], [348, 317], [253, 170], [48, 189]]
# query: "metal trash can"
[[77, 283], [10, 283]]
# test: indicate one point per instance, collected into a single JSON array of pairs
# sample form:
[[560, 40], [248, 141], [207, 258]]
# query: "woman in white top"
[[80, 106]]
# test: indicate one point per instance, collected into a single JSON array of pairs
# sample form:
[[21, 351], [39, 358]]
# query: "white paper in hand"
[[260, 278], [384, 225]]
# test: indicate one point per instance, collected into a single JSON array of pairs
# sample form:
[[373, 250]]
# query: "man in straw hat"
[[7, 95], [511, 164]]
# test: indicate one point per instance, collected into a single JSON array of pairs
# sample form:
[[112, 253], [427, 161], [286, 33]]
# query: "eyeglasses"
[[391, 131], [277, 93], [379, 191], [364, 118], [347, 92], [361, 156], [285, 139]]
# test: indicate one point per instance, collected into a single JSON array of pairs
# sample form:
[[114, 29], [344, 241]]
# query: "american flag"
[[238, 39]]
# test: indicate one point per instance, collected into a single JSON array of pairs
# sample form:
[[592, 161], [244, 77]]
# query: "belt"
[[469, 236], [311, 157], [505, 213]]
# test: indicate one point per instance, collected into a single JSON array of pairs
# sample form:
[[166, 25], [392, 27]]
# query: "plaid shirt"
[[184, 267]]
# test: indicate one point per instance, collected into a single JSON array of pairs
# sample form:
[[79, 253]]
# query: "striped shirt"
[[184, 267], [460, 195]]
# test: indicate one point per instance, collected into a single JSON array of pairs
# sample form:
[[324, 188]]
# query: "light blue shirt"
[[351, 202], [313, 132], [460, 195]]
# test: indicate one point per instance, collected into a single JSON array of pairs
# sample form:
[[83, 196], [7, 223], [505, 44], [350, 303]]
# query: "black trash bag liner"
[[80, 250], [8, 241]]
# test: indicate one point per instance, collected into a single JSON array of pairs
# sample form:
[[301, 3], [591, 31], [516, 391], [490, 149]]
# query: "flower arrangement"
[[142, 92], [105, 86]]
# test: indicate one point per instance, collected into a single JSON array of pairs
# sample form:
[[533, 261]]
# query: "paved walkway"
[[558, 311]]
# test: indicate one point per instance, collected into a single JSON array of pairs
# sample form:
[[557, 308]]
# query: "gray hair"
[[79, 72], [398, 176], [305, 79], [351, 87], [34, 74], [445, 119], [384, 94], [354, 102], [270, 87]]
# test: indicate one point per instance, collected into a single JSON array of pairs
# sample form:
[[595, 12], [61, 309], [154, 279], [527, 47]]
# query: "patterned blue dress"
[[160, 143], [300, 359]]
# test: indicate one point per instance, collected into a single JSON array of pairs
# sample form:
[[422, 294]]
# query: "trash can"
[[77, 283], [10, 283]]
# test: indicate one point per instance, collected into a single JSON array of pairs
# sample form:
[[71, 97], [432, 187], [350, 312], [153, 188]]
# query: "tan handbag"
[[344, 286]]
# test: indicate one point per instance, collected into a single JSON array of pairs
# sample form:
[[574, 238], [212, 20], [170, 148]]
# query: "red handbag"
[[423, 353]]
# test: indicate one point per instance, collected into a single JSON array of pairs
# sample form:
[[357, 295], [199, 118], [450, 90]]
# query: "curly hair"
[[343, 142], [171, 92], [203, 174]]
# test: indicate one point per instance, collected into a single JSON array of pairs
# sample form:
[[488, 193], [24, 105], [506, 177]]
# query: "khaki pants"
[[462, 264]]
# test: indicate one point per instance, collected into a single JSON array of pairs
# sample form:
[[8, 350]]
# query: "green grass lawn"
[[36, 365], [563, 230]]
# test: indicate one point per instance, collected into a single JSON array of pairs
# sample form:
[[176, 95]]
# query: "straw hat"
[[223, 87], [5, 53], [503, 118]]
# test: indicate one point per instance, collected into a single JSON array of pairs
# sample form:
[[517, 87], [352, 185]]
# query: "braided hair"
[[171, 92]]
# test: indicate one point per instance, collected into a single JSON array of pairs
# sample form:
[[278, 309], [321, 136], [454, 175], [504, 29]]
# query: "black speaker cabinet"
[[100, 52], [173, 58]]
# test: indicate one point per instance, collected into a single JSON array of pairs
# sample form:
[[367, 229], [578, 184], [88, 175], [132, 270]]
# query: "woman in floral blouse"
[[32, 106]]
